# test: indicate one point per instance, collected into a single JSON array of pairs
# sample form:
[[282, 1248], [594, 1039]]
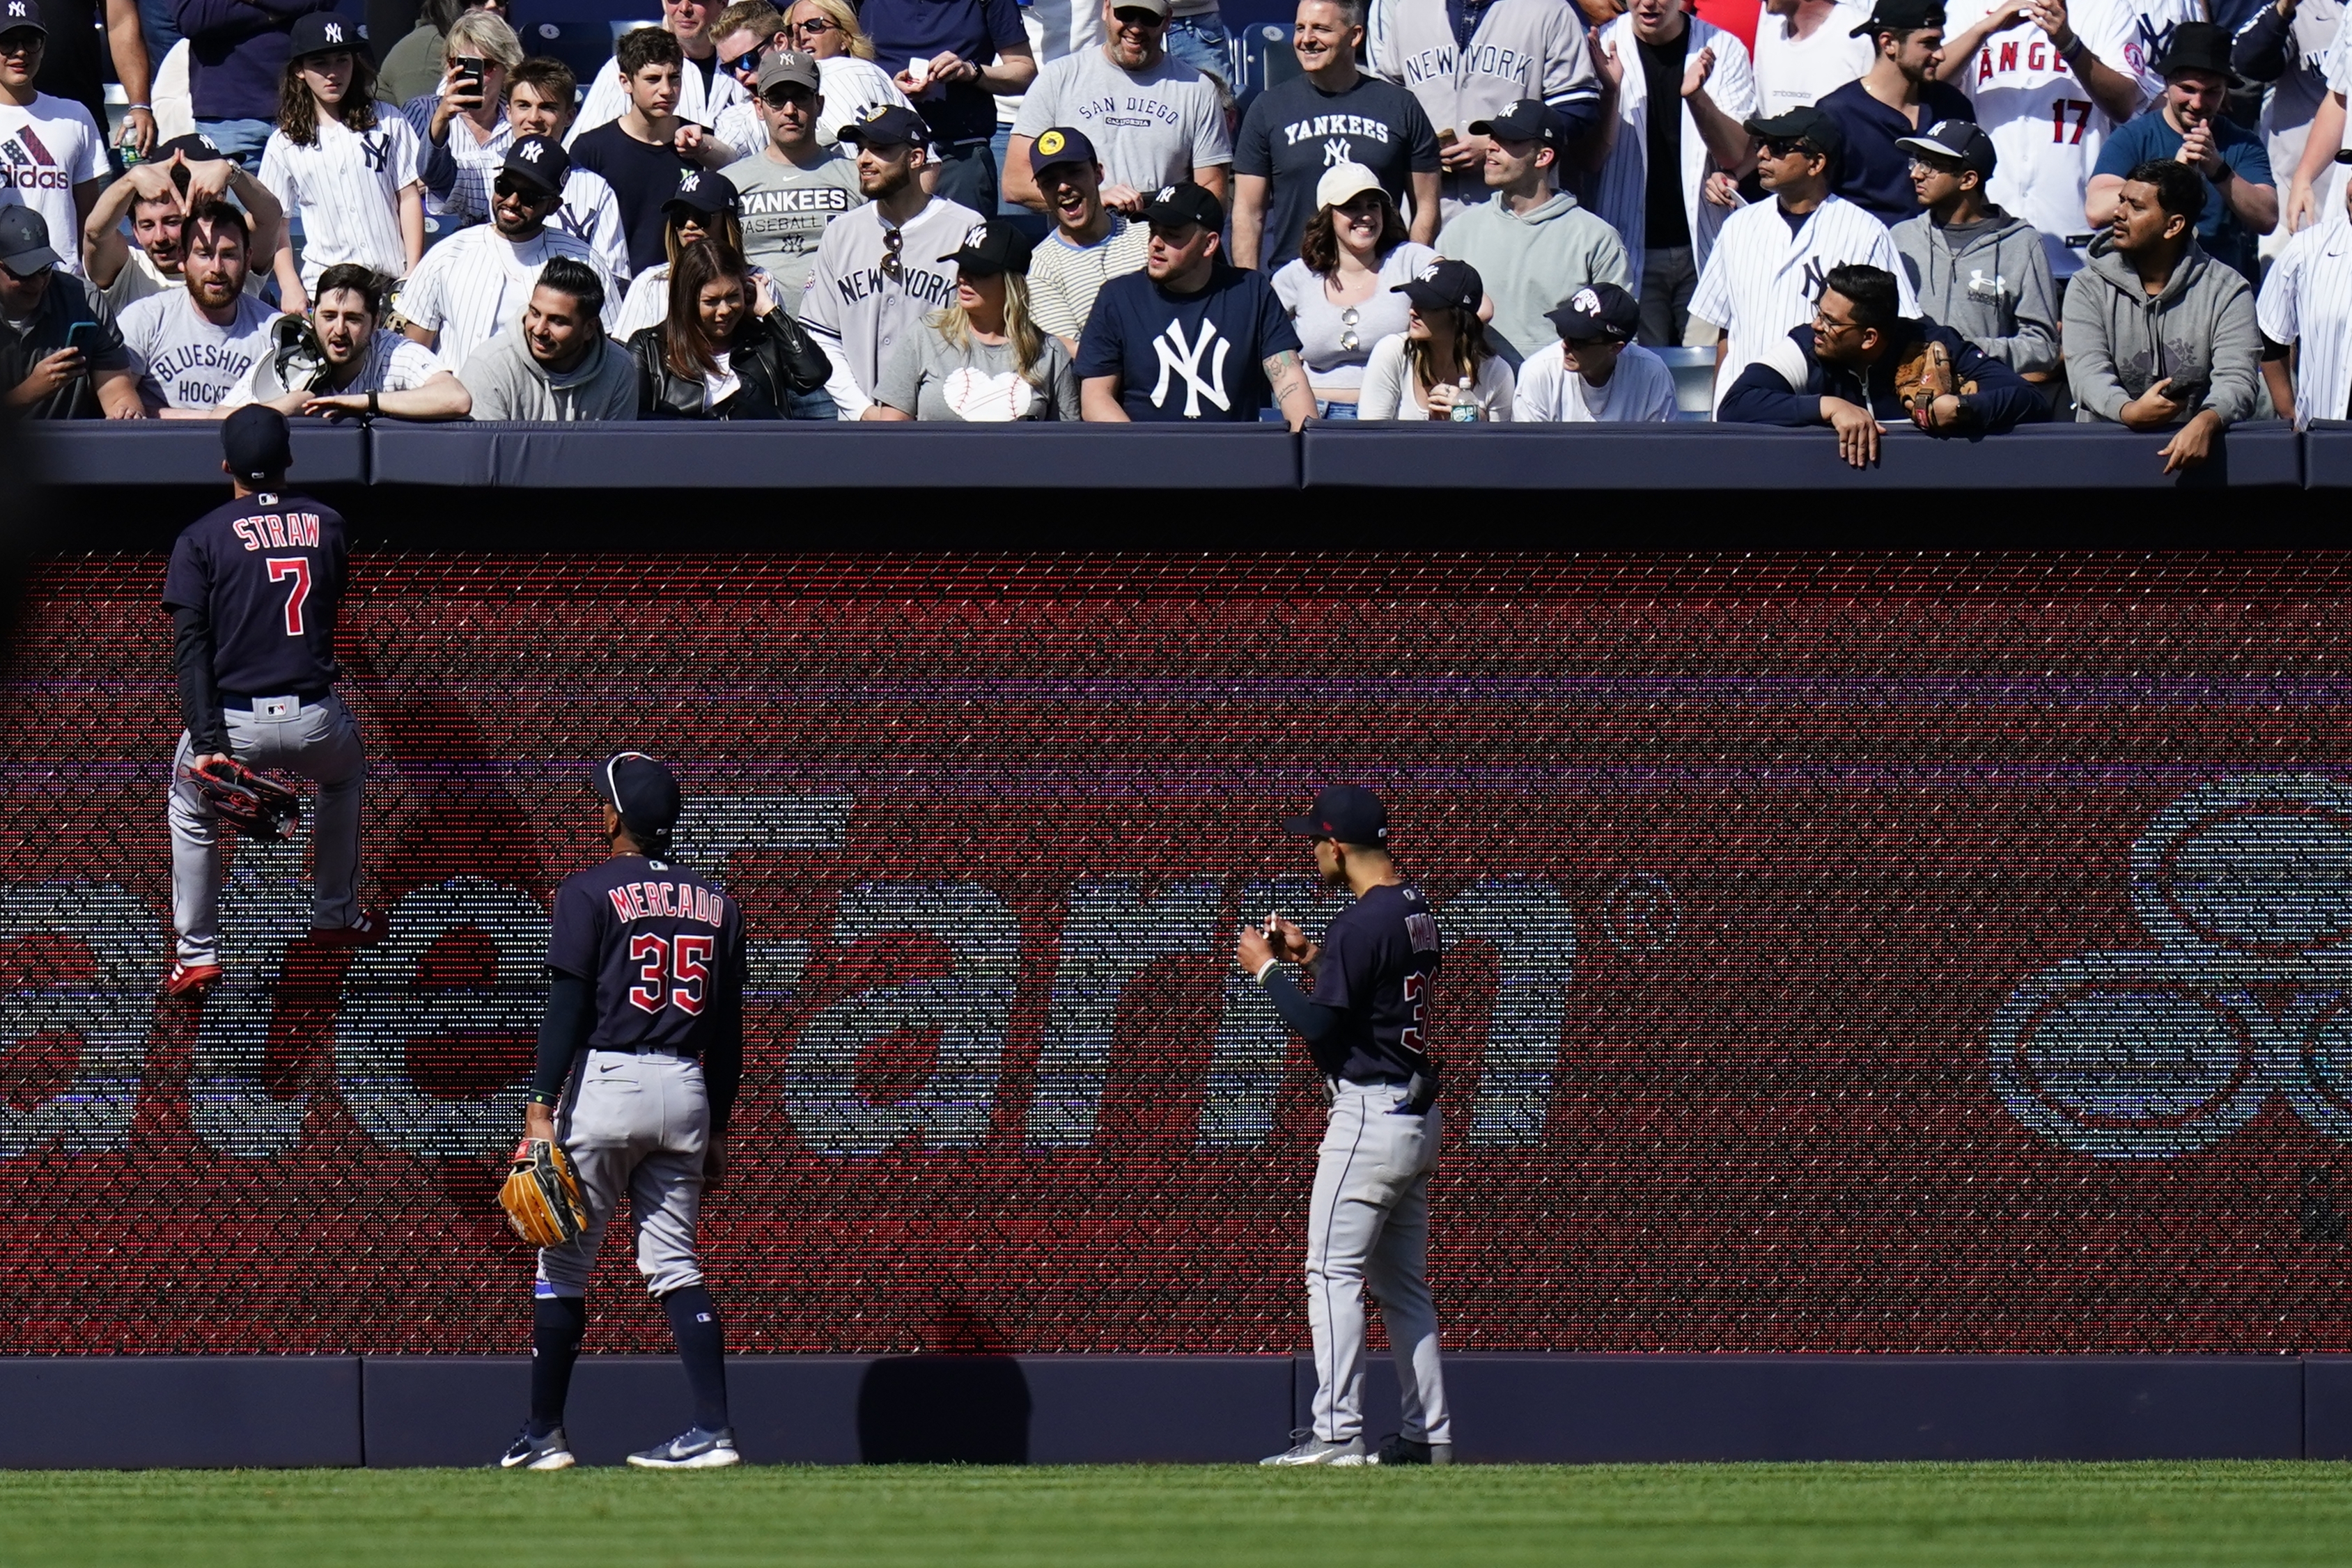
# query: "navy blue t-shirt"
[[1871, 172], [663, 947], [1188, 356], [1374, 969], [1294, 131], [2218, 230], [643, 175], [267, 573], [903, 30]]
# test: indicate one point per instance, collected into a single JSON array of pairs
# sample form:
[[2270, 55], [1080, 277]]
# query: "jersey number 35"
[[670, 972]]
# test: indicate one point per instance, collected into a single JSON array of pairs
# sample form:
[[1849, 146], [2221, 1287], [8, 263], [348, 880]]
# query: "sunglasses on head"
[[746, 62]]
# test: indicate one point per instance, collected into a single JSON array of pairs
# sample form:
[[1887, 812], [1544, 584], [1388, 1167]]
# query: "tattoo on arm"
[[1283, 372]]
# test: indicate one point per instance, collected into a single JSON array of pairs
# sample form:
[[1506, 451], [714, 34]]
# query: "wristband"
[[2068, 51], [1264, 969], [373, 409], [541, 1097]]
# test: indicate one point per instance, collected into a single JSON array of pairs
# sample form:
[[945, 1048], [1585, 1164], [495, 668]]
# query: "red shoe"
[[188, 980], [365, 931]]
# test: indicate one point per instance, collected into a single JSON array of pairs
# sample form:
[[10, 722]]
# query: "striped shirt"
[[460, 177], [1064, 278], [346, 185], [1761, 281], [473, 285], [2308, 298], [1623, 200]]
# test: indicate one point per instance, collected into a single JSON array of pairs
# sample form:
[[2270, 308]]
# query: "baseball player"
[[884, 266], [473, 285], [253, 590], [197, 345], [1771, 260], [638, 1061], [2306, 301], [52, 158], [1366, 1023], [345, 162]]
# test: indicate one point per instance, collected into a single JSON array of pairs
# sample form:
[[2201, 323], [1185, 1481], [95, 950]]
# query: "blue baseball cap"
[[257, 443], [1060, 144], [887, 125], [320, 33], [1348, 812], [643, 790]]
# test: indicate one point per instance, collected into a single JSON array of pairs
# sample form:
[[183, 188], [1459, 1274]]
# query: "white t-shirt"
[[1389, 391], [1797, 75], [347, 187], [187, 361], [1641, 389], [45, 151], [1150, 128]]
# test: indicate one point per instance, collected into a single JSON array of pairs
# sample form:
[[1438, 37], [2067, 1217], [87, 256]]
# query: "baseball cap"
[[1342, 183], [1810, 125], [18, 15], [1157, 7], [196, 147], [643, 790], [1598, 310], [25, 242], [1962, 141], [2197, 46], [887, 125], [541, 160], [703, 192], [1528, 120], [1184, 203], [255, 442], [320, 32], [1348, 812], [1900, 17], [1444, 283], [797, 66], [991, 248], [1060, 145]]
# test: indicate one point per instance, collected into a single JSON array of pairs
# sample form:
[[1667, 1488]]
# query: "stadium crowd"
[[1459, 211]]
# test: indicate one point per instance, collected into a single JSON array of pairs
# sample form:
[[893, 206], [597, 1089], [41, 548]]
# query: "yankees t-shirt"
[[1150, 128], [46, 150], [347, 187], [1296, 130], [785, 209], [858, 306], [663, 947], [1186, 356], [187, 362], [643, 176], [267, 572]]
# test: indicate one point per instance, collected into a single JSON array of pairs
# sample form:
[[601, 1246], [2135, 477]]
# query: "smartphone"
[[83, 336], [1446, 137], [469, 70]]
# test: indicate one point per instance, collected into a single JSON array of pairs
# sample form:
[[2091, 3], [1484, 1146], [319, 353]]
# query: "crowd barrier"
[[1328, 456]]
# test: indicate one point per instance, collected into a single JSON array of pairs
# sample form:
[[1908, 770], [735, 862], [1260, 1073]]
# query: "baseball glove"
[[541, 1194], [1925, 374], [260, 808]]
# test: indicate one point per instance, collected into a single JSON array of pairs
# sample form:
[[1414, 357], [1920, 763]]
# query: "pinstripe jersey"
[[589, 211], [1623, 198], [848, 86], [858, 311], [2308, 296], [1761, 281], [347, 187], [608, 100], [473, 286], [1522, 48]]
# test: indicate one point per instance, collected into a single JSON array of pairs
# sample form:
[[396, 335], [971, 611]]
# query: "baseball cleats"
[[188, 980], [551, 1452], [1306, 1448], [1400, 1449], [365, 931], [692, 1450]]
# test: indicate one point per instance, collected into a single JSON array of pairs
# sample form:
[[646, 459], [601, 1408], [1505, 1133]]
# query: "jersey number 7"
[[298, 568], [685, 961]]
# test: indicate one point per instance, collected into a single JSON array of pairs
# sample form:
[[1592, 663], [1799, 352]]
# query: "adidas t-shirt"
[[1186, 356], [45, 151]]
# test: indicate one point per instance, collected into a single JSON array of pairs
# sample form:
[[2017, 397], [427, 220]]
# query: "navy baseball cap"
[[1600, 311], [1171, 207], [320, 33], [702, 191], [25, 242], [256, 443], [539, 161], [17, 15], [1445, 282], [1060, 144], [642, 789], [1810, 125], [887, 125], [1346, 812], [1528, 120], [1963, 141], [196, 147]]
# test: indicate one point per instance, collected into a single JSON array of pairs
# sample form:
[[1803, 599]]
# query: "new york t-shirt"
[[1296, 130], [1186, 356]]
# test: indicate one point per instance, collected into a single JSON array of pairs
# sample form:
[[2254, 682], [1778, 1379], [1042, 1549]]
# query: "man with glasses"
[[950, 58], [792, 188], [1090, 244], [1154, 119], [1771, 260], [883, 268], [704, 90], [1861, 363], [540, 96], [747, 32], [473, 285]]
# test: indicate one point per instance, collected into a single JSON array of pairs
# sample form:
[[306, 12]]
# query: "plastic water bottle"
[[1466, 410]]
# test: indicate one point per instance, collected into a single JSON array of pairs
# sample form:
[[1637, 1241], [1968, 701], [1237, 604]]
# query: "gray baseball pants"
[[635, 1125]]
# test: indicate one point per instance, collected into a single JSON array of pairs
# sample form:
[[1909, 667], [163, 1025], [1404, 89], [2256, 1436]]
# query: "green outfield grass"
[[1815, 1515]]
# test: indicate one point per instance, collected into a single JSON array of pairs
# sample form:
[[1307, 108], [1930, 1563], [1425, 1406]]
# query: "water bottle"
[[1466, 409]]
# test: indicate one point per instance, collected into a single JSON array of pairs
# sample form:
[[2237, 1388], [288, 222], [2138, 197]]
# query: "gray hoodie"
[[509, 384], [1994, 290], [1532, 262], [2199, 331]]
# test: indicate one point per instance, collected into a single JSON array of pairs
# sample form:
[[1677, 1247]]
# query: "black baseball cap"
[[25, 242], [991, 248], [1442, 283], [1900, 17], [321, 33], [1808, 125], [2198, 47], [1528, 120], [1184, 203], [539, 161], [703, 192], [1349, 813], [1060, 144], [1598, 311], [257, 443], [17, 15], [643, 790], [1962, 141], [887, 125], [196, 147]]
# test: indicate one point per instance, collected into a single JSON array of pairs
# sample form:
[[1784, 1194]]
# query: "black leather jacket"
[[774, 359]]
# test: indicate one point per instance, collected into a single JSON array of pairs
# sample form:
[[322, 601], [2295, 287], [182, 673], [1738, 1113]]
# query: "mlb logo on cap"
[[689, 181], [532, 152], [17, 10]]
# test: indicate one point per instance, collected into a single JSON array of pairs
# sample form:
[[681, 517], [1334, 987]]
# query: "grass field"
[[1816, 1515]]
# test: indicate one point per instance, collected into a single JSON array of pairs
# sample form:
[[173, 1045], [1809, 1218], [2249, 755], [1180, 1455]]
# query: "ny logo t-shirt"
[[1186, 356]]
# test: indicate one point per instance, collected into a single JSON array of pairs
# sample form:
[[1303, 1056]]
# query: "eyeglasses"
[[744, 64], [814, 28], [1348, 341], [894, 245], [1825, 322]]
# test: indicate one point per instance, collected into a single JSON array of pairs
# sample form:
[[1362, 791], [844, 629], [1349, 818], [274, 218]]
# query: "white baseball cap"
[[1343, 182]]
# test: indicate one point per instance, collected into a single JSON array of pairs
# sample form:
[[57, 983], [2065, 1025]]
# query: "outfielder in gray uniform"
[[638, 1061]]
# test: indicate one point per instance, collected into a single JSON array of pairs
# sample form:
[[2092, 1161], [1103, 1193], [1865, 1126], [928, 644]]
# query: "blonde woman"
[[1441, 364], [463, 122], [850, 81], [983, 358]]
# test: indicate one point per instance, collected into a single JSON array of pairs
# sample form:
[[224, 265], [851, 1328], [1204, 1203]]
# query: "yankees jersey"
[[848, 86], [663, 947], [1197, 356], [186, 361], [347, 185], [2045, 125], [1522, 48], [1762, 279], [46, 150], [1379, 956], [2307, 59], [267, 573], [1797, 73], [392, 362], [784, 210], [2307, 298], [2146, 26], [864, 294], [1623, 198], [460, 177], [697, 101], [473, 285]]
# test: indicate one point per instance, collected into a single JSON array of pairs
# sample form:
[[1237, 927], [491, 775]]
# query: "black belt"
[[670, 1052], [251, 700]]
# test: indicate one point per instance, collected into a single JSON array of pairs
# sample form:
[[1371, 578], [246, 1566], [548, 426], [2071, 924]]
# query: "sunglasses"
[[507, 186], [1349, 339], [785, 96], [894, 246], [1143, 21], [815, 26], [745, 63], [1779, 149]]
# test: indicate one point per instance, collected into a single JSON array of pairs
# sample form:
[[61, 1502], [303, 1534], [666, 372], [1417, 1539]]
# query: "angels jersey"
[[2045, 127]]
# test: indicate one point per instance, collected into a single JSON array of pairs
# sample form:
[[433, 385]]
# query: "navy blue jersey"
[[663, 947], [1374, 970], [266, 572]]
